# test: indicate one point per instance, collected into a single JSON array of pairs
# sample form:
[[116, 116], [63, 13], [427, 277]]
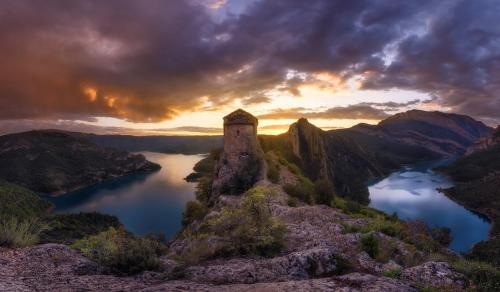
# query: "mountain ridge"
[[54, 162]]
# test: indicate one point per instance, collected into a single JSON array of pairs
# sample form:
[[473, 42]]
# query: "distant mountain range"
[[54, 162], [163, 144]]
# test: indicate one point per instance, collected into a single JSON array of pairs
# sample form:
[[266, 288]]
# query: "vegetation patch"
[[21, 203], [68, 228], [247, 229], [120, 252], [370, 244], [485, 277], [393, 273], [303, 190], [20, 233], [194, 211]]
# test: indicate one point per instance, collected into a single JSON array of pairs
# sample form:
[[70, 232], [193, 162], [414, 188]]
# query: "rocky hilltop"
[[54, 162]]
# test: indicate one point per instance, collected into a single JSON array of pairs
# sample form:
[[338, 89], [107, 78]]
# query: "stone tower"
[[241, 162]]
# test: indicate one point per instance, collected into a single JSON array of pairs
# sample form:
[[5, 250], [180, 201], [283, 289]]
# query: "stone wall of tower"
[[239, 140], [241, 154]]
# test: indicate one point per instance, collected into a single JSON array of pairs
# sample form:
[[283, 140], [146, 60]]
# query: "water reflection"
[[412, 194], [143, 202]]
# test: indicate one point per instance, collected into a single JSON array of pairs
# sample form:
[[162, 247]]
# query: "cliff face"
[[307, 142], [54, 162], [339, 159], [485, 142]]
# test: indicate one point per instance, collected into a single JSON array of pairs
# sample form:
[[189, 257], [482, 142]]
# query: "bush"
[[370, 244], [194, 211], [19, 202], [250, 229], [393, 273], [273, 173], [442, 235], [483, 275], [204, 189], [324, 192], [16, 233], [303, 190], [120, 252], [239, 230], [292, 202], [487, 251], [68, 228]]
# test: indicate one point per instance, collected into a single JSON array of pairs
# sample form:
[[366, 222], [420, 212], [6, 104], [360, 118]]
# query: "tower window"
[[237, 132]]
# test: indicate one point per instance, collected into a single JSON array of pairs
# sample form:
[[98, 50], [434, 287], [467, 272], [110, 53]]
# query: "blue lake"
[[412, 193], [154, 202], [144, 203]]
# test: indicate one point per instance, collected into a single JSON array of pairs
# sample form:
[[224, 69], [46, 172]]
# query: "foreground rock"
[[53, 267]]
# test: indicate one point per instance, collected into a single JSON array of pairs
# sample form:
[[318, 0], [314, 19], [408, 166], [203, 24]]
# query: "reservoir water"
[[144, 203], [412, 193], [154, 202]]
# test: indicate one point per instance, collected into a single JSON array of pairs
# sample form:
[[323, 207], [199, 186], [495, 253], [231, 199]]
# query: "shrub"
[[194, 211], [273, 173], [352, 207], [120, 252], [324, 191], [250, 229], [370, 244], [442, 235], [16, 233], [417, 233], [292, 202], [204, 189], [487, 251], [483, 275], [303, 190], [19, 202], [239, 230], [68, 228], [393, 273]]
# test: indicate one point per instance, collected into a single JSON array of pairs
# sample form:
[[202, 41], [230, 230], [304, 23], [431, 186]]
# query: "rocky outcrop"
[[306, 264], [53, 267], [54, 162], [435, 274], [308, 145]]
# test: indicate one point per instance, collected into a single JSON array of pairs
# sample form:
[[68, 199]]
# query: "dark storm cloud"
[[348, 112], [391, 105], [151, 60], [457, 59]]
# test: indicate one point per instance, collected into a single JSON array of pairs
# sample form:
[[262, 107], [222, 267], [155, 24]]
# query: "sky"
[[176, 67]]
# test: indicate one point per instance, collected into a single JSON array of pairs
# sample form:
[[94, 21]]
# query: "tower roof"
[[240, 117]]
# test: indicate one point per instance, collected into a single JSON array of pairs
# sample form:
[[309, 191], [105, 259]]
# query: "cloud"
[[190, 129], [258, 99], [391, 105], [23, 125], [152, 60], [349, 112]]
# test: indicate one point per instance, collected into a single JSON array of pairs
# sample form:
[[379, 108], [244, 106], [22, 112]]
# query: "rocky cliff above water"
[[350, 157], [54, 162]]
